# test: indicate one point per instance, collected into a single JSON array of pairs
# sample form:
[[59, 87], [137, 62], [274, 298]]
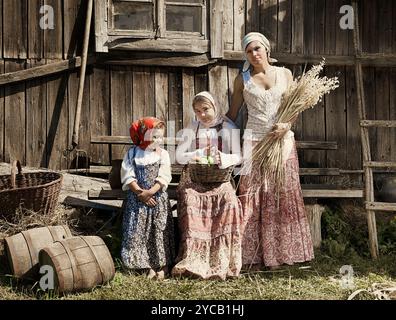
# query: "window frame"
[[159, 21], [107, 40]]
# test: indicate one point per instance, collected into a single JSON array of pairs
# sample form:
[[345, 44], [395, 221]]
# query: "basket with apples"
[[206, 170]]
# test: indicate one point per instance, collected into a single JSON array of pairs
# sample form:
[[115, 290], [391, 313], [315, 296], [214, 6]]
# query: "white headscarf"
[[255, 36], [218, 117]]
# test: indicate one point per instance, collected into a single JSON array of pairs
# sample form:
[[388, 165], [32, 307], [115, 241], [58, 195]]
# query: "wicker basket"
[[203, 173], [36, 191]]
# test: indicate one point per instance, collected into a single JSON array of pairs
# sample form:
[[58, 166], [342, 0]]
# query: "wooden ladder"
[[368, 165]]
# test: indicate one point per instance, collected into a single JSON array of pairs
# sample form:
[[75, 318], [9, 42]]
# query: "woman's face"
[[204, 111], [256, 53]]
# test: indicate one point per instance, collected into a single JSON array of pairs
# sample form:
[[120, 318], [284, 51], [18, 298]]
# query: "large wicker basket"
[[203, 173], [36, 191]]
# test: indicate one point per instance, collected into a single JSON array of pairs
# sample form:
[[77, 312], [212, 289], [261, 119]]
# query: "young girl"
[[148, 241], [209, 214]]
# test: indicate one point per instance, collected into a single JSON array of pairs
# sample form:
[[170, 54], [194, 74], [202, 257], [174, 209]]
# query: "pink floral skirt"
[[274, 234], [210, 222]]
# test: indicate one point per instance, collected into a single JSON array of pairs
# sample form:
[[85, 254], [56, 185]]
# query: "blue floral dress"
[[147, 233]]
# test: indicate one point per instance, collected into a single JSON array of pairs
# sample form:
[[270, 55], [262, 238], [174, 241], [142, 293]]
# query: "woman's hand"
[[279, 130]]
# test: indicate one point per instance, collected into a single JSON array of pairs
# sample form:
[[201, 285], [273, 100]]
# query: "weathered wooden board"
[[239, 23], [57, 121], [143, 89], [354, 145], [298, 26], [228, 24], [383, 143], [252, 18], [100, 112], [35, 32], [15, 29], [121, 105], [73, 26], [53, 38], [84, 143], [161, 94], [14, 117], [36, 120], [201, 80], [284, 26], [392, 109], [336, 121], [188, 96], [217, 78], [175, 111], [2, 151]]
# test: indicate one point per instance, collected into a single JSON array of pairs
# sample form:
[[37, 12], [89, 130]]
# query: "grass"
[[316, 281], [344, 232]]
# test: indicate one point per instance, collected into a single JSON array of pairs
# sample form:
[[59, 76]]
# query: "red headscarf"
[[139, 128]]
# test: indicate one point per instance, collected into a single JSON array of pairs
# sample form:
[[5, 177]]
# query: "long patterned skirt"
[[272, 234], [147, 233], [210, 221]]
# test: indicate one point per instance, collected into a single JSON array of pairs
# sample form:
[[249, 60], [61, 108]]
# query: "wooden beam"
[[118, 194], [366, 59], [331, 193], [183, 61], [319, 171], [378, 123], [41, 71], [167, 45], [77, 202], [379, 164], [317, 145], [381, 206]]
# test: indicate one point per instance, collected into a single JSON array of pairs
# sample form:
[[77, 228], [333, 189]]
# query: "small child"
[[210, 215], [148, 238]]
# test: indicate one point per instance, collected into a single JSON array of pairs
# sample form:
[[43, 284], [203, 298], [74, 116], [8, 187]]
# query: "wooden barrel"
[[23, 248], [79, 263]]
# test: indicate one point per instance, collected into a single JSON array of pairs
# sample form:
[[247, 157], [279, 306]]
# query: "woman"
[[275, 233], [209, 213]]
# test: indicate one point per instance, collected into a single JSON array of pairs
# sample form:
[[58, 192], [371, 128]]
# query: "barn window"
[[135, 24], [151, 18]]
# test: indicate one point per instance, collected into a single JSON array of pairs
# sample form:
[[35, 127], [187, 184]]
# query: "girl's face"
[[156, 136], [256, 53], [204, 111]]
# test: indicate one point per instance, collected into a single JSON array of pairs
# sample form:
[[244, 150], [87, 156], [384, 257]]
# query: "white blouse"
[[146, 157], [231, 150]]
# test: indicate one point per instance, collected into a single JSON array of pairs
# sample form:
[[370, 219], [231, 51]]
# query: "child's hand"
[[218, 158], [151, 203], [145, 196]]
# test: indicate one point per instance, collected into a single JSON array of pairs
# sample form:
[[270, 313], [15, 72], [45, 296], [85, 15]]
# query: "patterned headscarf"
[[139, 129], [255, 36]]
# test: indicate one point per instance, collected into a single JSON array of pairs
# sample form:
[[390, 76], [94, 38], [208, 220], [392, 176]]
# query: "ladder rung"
[[378, 123], [381, 206], [379, 164]]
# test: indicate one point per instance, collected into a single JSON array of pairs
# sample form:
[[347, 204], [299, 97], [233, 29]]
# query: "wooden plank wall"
[[36, 117]]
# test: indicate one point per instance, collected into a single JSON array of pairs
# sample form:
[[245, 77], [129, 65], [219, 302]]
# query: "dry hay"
[[379, 291]]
